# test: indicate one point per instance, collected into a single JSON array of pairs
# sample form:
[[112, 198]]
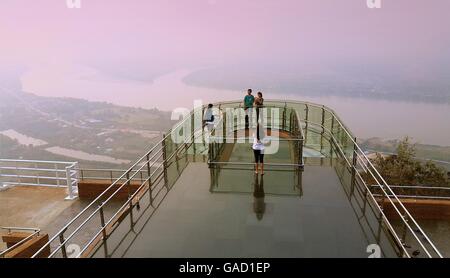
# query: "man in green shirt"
[[249, 99]]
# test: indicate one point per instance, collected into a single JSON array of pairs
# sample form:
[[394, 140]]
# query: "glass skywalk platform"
[[193, 222], [201, 197]]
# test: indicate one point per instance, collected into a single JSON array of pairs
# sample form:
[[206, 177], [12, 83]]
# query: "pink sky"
[[67, 51], [205, 31]]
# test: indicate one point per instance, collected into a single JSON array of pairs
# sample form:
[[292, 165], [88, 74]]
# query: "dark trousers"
[[259, 156]]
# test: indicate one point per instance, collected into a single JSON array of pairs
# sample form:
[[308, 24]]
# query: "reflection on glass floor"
[[235, 178], [275, 182], [193, 222]]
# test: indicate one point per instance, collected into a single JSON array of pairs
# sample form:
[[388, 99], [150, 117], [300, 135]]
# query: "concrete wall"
[[90, 189], [422, 209]]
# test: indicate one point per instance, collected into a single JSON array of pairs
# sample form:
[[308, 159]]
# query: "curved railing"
[[407, 236], [274, 118], [164, 165]]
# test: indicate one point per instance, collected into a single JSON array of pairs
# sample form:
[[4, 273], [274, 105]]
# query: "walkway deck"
[[193, 222]]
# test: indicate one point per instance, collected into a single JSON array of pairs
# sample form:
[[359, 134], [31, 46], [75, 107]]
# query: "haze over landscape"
[[92, 89], [385, 71]]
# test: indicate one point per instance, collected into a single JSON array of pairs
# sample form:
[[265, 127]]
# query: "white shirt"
[[208, 115], [258, 146]]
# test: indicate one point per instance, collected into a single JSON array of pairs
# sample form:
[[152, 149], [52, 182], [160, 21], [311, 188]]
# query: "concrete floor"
[[44, 208], [30, 206]]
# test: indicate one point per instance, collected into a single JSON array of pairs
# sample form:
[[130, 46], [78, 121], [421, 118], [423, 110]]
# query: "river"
[[426, 123]]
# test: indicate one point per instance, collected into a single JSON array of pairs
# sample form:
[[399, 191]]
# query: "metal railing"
[[35, 232], [171, 158], [107, 175], [17, 172], [287, 121], [162, 164], [360, 173], [417, 192]]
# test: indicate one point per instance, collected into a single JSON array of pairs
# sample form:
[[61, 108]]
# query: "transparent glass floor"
[[228, 211], [194, 222]]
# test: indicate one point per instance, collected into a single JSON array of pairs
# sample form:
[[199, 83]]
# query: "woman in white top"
[[208, 118], [258, 151]]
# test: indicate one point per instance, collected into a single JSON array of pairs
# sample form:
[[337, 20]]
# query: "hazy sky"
[[81, 52], [194, 32]]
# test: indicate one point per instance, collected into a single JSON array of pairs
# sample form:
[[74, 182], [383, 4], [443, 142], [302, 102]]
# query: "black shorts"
[[259, 156]]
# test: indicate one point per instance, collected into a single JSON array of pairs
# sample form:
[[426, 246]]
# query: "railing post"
[[354, 162], [323, 116], [194, 147], [203, 132], [128, 184], [57, 175], [18, 174], [210, 156], [405, 224], [323, 132], [63, 245], [177, 163], [301, 163], [37, 178], [149, 179], [105, 236], [291, 122], [148, 166], [332, 124], [166, 182], [380, 224], [69, 184], [224, 121], [77, 170], [130, 200], [332, 136], [306, 122], [299, 186]]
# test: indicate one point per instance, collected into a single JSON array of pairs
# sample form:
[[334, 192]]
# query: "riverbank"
[[366, 117]]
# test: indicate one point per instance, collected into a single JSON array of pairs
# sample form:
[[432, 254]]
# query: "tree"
[[404, 169]]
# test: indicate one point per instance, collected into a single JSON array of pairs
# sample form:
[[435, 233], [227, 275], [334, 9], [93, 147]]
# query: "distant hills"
[[358, 81]]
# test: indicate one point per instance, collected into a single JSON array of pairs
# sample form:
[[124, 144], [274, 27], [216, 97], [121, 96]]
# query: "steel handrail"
[[387, 195], [379, 175], [112, 218], [226, 139], [417, 187], [126, 203], [424, 197], [390, 227], [38, 161], [370, 169], [376, 173], [143, 158]]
